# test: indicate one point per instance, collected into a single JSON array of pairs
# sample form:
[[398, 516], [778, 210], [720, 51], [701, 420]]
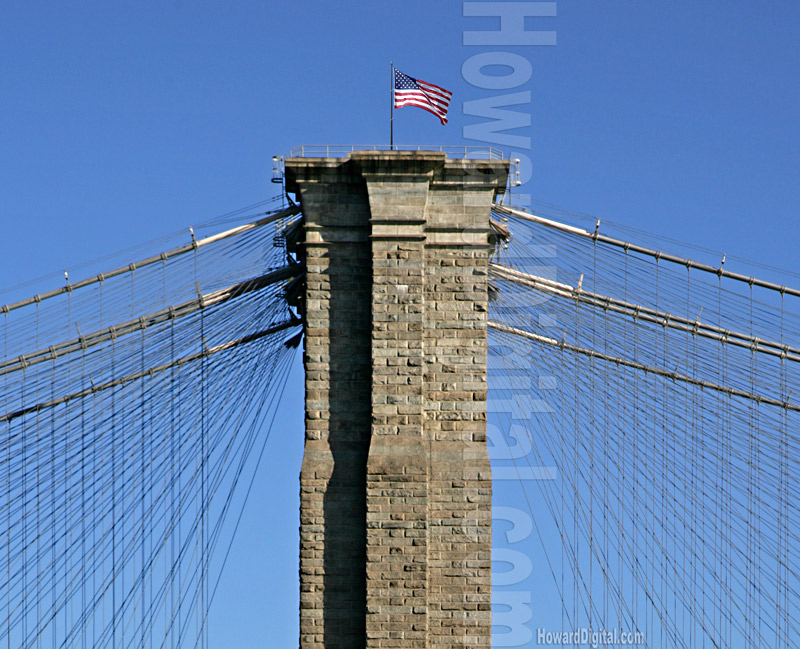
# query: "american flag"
[[413, 92]]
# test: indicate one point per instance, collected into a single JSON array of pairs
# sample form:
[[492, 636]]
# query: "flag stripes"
[[414, 92]]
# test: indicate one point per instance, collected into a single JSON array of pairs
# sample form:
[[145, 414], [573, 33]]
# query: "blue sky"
[[121, 123]]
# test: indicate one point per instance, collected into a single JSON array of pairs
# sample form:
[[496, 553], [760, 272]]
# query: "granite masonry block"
[[395, 487]]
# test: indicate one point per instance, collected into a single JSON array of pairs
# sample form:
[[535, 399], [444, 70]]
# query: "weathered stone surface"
[[395, 484]]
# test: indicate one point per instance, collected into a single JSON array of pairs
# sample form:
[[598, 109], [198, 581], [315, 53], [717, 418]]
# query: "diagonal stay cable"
[[645, 368], [630, 247], [143, 322], [68, 288], [639, 312], [160, 368]]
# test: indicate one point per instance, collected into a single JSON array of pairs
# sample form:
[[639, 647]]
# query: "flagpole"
[[391, 101]]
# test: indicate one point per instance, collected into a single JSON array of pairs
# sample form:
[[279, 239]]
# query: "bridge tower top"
[[395, 483]]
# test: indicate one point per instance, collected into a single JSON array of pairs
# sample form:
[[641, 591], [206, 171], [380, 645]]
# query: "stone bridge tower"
[[395, 484]]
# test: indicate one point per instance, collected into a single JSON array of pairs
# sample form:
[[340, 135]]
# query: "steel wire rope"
[[704, 479], [80, 537]]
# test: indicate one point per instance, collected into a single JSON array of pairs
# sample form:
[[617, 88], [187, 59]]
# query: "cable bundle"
[[132, 406], [666, 399]]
